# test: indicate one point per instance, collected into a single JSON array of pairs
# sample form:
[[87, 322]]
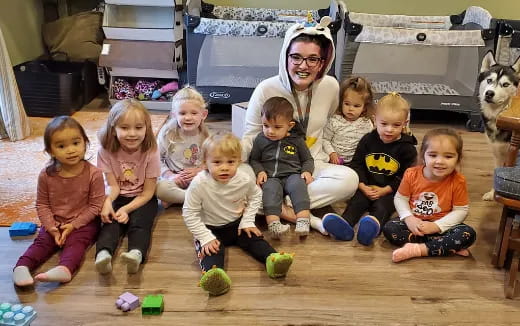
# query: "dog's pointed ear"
[[516, 66], [487, 62]]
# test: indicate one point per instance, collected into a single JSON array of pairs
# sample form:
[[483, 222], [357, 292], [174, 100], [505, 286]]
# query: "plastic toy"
[[310, 21], [144, 89], [18, 229], [152, 305], [170, 87], [16, 314], [127, 301]]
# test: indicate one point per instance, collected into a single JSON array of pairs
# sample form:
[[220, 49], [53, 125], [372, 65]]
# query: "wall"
[[20, 21], [498, 8]]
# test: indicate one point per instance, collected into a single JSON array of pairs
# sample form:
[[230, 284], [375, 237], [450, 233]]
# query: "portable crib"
[[230, 50], [433, 61], [508, 41]]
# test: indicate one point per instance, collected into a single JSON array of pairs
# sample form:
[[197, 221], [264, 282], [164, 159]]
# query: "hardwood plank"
[[330, 283]]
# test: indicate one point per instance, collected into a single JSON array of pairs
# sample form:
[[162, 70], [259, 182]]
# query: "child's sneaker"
[[336, 226], [303, 226], [278, 229], [277, 264], [368, 230], [215, 281]]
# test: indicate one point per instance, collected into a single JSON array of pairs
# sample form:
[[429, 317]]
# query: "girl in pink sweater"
[[70, 196]]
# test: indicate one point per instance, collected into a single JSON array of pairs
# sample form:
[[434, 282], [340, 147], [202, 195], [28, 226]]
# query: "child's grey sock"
[[104, 262], [56, 274], [302, 226], [22, 276], [132, 259], [278, 229]]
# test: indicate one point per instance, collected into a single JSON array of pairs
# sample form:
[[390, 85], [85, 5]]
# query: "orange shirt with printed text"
[[431, 200]]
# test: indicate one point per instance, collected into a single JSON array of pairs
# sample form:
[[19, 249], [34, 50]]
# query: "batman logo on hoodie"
[[381, 163]]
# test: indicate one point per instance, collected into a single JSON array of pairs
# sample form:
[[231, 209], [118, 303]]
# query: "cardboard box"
[[238, 119]]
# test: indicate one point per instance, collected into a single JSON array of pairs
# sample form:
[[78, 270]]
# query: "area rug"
[[22, 161]]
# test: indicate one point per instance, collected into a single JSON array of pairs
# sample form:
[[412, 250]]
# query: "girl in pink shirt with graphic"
[[130, 161], [69, 218]]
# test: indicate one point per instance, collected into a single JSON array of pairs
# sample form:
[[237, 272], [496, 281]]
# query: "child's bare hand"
[[413, 224], [121, 216], [248, 231], [66, 230], [211, 247], [334, 158], [368, 191], [189, 173], [261, 178], [180, 181], [427, 227], [107, 212], [308, 177], [56, 235], [380, 191]]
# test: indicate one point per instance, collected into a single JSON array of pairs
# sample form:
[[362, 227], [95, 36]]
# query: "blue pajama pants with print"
[[459, 237]]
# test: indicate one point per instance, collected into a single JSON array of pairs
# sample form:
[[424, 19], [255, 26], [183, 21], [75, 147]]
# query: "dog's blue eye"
[[505, 85], [489, 80]]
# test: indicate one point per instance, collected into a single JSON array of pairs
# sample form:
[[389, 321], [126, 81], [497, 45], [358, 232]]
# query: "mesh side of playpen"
[[396, 55]]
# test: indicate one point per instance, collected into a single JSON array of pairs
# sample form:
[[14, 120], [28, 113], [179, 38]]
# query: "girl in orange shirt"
[[432, 202]]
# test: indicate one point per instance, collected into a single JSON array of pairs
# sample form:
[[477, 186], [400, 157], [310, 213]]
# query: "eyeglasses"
[[311, 61]]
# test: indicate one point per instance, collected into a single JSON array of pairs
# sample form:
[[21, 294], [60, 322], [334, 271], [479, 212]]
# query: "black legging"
[[138, 227], [227, 234], [459, 237], [381, 208]]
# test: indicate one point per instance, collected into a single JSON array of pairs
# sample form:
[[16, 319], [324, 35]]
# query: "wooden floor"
[[330, 283]]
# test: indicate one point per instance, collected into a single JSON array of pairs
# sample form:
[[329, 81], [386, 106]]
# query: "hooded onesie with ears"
[[331, 182]]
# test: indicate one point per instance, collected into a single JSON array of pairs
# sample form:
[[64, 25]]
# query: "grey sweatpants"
[[274, 190]]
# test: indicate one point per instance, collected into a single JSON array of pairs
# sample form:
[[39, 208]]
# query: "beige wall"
[[499, 8], [20, 21]]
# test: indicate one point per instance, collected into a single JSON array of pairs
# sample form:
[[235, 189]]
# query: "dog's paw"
[[489, 196]]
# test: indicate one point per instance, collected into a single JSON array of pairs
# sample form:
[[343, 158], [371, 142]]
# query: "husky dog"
[[498, 84]]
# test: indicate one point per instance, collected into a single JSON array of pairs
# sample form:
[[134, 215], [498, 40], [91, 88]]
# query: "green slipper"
[[277, 264], [215, 281]]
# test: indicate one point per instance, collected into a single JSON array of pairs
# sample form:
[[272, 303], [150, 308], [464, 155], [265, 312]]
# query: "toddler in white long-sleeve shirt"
[[220, 208]]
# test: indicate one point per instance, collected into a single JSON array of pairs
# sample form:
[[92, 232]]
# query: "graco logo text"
[[219, 95]]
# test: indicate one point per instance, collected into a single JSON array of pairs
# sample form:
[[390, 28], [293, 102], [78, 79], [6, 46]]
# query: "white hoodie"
[[325, 94]]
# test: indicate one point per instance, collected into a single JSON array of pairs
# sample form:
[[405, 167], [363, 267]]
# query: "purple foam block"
[[130, 301]]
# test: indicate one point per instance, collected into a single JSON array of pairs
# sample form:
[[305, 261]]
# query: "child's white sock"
[[104, 262], [132, 259], [22, 276], [56, 274], [317, 225]]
